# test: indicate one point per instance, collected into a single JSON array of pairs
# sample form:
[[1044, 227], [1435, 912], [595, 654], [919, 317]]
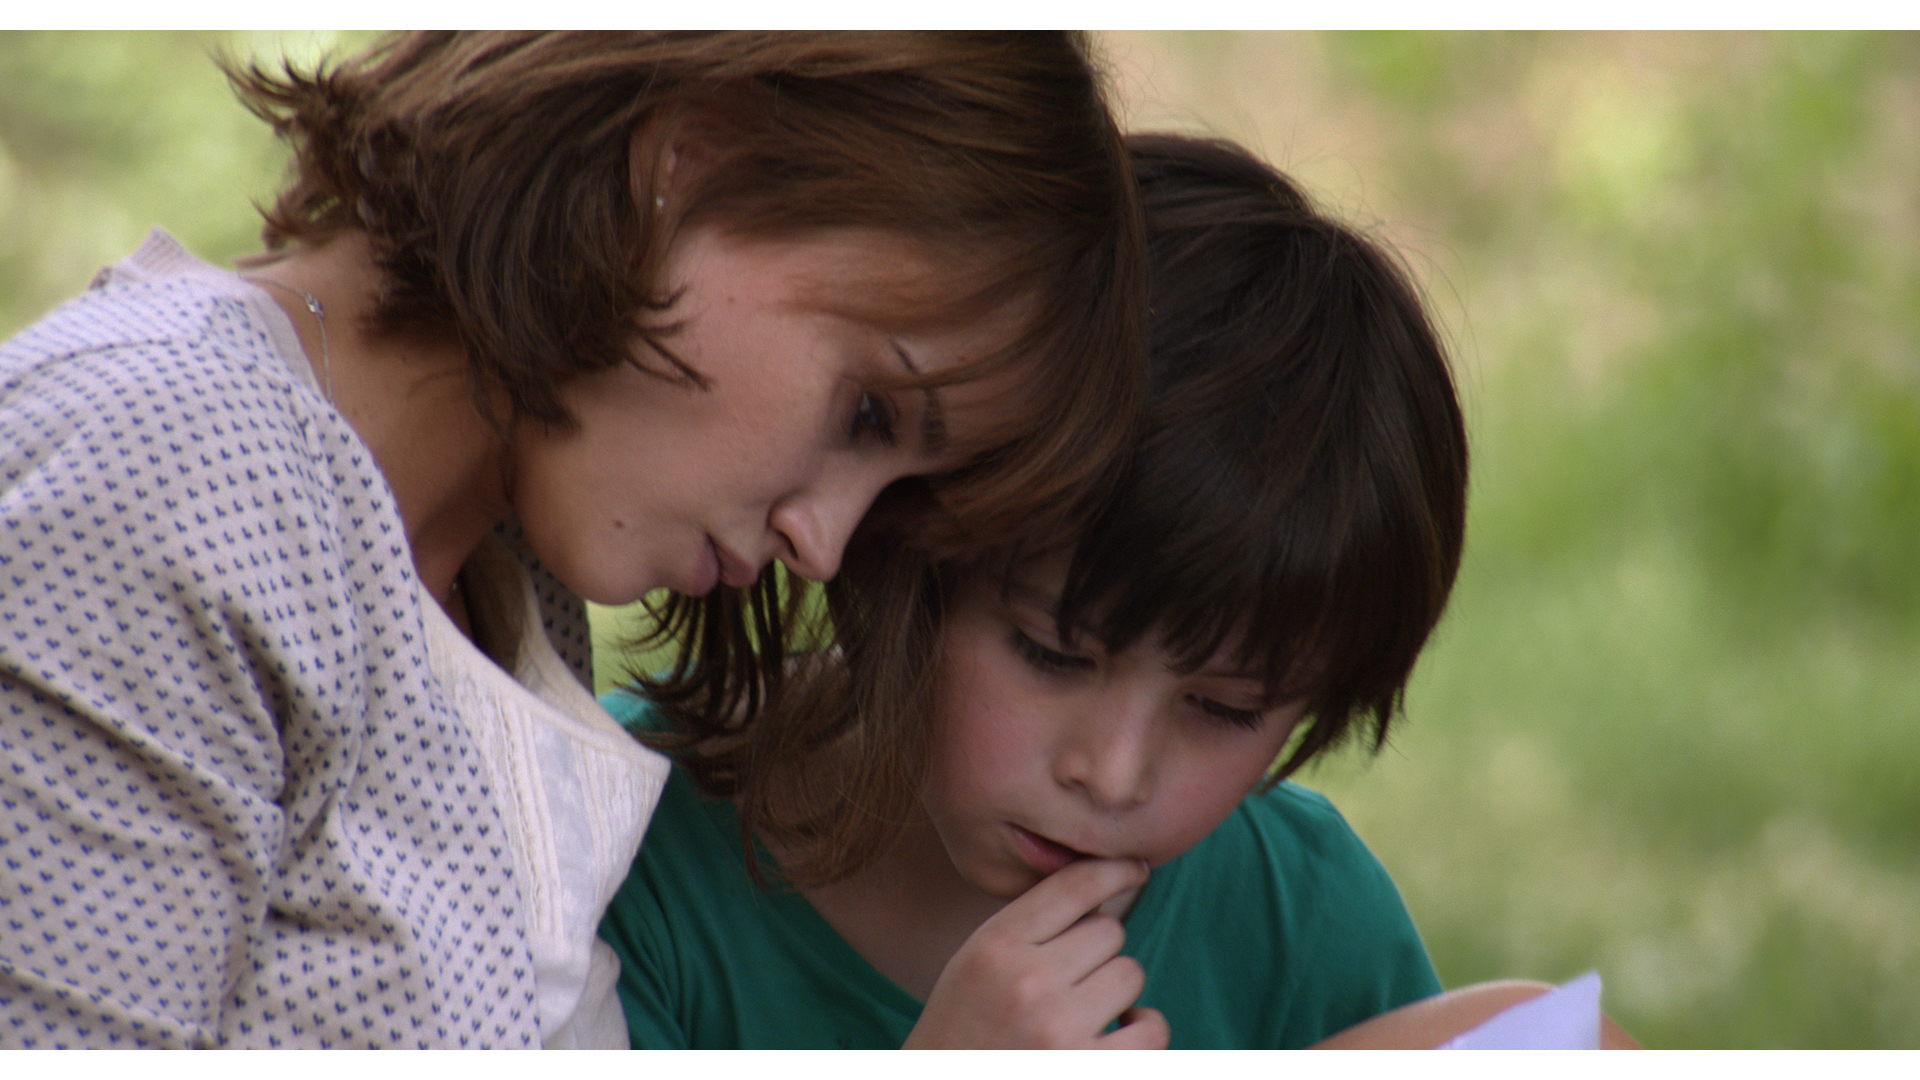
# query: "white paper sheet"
[[1564, 1018]]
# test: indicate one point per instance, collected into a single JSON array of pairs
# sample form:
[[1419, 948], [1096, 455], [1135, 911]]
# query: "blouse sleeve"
[[170, 630]]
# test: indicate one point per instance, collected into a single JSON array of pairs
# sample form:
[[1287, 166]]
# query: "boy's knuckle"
[[1158, 1034], [1055, 1033], [1028, 989], [1106, 933]]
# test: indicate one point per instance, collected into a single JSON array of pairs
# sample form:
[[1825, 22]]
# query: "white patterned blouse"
[[238, 805]]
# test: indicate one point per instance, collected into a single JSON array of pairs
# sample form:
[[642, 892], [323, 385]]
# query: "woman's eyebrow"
[[1045, 601], [933, 418]]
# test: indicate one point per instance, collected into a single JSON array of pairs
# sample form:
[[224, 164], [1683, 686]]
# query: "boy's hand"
[[1045, 972]]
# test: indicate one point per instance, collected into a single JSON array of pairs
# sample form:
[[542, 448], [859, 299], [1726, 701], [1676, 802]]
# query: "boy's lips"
[[1044, 855]]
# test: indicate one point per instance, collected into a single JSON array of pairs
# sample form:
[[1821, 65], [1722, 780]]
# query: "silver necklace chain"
[[326, 363], [320, 316]]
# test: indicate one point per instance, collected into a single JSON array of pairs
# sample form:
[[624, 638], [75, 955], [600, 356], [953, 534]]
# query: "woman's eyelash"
[[872, 414], [1045, 659]]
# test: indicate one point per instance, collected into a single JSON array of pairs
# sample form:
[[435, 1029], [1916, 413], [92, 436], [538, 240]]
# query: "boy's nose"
[[1109, 755]]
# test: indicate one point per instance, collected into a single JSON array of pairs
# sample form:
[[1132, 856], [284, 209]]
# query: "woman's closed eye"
[[1045, 660], [873, 415]]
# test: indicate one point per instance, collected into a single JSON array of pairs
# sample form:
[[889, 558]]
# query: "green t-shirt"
[[1277, 930]]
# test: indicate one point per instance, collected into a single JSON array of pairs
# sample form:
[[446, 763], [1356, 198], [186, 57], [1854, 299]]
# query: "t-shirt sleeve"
[[631, 710], [1367, 956], [1277, 930], [634, 927], [637, 927]]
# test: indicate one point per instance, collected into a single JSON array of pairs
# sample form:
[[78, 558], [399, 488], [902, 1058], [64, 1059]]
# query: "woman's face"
[[665, 485], [1045, 752]]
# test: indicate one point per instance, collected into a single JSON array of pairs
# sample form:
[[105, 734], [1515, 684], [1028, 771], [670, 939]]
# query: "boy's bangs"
[[1292, 502], [1207, 576]]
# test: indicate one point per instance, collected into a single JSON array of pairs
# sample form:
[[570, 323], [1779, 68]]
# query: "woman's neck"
[[408, 399], [907, 912]]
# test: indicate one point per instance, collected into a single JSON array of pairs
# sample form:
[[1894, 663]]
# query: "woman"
[[289, 761]]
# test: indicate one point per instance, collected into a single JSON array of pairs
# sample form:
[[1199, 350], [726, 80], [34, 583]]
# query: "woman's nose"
[[815, 524]]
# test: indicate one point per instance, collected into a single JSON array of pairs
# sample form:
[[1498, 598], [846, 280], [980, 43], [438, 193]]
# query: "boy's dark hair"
[[1297, 492], [514, 190]]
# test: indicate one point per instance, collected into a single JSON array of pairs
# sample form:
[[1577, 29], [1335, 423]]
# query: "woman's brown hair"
[[515, 190], [1297, 493]]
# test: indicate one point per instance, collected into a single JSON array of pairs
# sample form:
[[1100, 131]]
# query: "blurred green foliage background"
[[1670, 726]]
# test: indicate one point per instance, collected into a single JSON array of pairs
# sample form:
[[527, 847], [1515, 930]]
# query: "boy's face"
[[1042, 754]]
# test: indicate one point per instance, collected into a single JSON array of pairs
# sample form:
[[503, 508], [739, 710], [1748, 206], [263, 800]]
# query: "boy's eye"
[[1050, 661], [873, 415], [1246, 718]]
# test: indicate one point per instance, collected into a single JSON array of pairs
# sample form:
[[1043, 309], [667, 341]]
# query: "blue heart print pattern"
[[234, 807]]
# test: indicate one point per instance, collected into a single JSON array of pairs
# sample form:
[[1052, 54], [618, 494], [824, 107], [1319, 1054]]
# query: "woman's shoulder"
[[164, 328], [686, 817], [165, 393]]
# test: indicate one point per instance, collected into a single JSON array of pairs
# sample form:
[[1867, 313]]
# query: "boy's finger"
[[1140, 1029], [1045, 911], [1118, 979], [1080, 950]]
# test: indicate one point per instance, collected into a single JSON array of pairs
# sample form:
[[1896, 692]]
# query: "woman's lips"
[[718, 566], [735, 571], [706, 572]]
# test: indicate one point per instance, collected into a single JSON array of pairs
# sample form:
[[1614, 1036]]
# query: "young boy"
[[1068, 829]]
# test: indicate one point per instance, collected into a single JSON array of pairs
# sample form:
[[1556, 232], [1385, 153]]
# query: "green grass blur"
[[1670, 725]]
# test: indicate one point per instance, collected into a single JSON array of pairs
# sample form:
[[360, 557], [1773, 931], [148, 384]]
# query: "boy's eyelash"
[[1054, 662], [1044, 659], [873, 414], [1246, 718]]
